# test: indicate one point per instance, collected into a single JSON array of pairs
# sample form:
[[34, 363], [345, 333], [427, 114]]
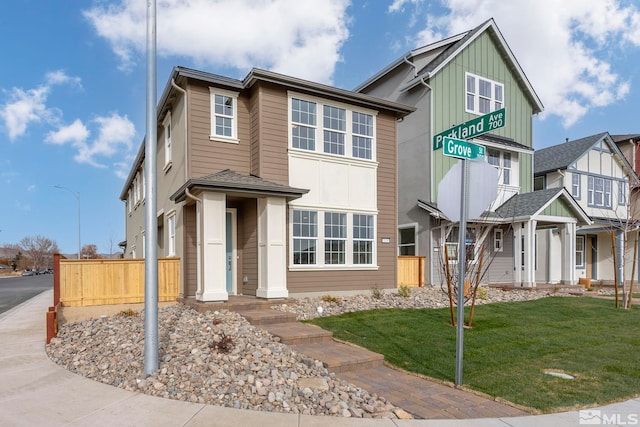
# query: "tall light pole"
[[77, 196]]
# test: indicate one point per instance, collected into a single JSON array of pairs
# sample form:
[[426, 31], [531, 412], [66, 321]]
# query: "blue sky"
[[72, 88]]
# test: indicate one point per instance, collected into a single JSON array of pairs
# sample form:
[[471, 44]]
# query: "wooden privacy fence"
[[411, 270], [114, 281]]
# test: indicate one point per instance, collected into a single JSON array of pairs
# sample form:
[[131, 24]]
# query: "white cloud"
[[297, 38], [398, 5], [565, 48], [26, 107], [75, 133]]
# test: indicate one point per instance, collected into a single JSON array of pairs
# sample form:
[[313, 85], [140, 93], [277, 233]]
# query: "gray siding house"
[[451, 82]]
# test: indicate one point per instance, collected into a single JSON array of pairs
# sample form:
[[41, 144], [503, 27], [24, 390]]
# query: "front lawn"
[[511, 346]]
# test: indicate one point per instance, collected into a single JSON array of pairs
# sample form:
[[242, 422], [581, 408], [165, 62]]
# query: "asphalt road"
[[16, 290]]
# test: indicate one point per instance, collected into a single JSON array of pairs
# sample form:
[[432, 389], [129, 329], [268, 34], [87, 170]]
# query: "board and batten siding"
[[206, 156], [449, 96]]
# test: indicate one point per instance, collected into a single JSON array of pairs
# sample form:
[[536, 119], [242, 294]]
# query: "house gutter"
[[186, 125]]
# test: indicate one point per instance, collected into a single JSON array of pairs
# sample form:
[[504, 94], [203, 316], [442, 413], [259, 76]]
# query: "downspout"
[[186, 125]]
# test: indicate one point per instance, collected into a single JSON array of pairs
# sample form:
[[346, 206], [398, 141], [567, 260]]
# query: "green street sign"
[[462, 149], [472, 128]]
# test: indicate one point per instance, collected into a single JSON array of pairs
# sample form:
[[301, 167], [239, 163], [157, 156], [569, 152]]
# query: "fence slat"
[[411, 270]]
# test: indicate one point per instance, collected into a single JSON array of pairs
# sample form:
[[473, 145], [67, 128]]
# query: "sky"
[[73, 88]]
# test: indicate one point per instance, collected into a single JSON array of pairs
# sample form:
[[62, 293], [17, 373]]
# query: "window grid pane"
[[303, 118], [362, 239], [305, 231], [362, 140]]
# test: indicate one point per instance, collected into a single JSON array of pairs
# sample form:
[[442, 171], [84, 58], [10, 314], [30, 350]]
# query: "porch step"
[[340, 357], [234, 303], [296, 333], [263, 317]]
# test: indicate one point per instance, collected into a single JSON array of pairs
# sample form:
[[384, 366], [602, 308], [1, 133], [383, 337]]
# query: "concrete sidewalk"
[[35, 391]]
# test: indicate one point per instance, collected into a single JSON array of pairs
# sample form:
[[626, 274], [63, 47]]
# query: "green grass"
[[510, 346]]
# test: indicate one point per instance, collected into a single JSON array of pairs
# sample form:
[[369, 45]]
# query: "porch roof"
[[529, 205], [229, 181]]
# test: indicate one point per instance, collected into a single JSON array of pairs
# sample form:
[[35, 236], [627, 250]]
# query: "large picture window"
[[342, 130], [345, 239], [483, 95]]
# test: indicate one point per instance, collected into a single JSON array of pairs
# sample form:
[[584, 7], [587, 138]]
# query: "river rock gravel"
[[218, 358]]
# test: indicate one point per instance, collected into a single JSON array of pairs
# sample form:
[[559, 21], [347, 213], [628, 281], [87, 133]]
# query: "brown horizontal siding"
[[273, 138], [208, 156], [189, 259], [249, 246]]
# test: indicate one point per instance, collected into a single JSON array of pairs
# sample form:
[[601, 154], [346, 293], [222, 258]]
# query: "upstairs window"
[[501, 160], [483, 95], [167, 140], [575, 185], [622, 193], [224, 115], [599, 192], [338, 129]]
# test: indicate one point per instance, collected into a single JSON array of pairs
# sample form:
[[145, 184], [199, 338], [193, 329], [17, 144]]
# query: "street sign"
[[472, 128], [462, 149]]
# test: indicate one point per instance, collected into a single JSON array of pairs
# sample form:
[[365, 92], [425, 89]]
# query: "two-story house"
[[271, 186], [451, 82], [600, 178]]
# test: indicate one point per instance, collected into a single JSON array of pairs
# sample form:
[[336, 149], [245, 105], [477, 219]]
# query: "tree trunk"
[[475, 287], [615, 266], [448, 274]]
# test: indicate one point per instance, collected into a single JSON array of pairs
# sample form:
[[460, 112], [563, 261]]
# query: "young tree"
[[39, 250], [89, 251]]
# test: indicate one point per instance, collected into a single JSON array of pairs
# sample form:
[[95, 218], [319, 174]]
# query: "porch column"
[[568, 247], [620, 247], [517, 253], [529, 272], [213, 282], [272, 248]]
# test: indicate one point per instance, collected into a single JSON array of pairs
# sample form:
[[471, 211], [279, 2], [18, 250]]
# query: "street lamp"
[[77, 196]]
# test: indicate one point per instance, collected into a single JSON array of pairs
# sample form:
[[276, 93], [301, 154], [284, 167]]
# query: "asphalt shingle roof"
[[527, 204], [562, 155]]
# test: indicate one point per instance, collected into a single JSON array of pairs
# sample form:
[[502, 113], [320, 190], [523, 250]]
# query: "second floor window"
[[167, 140], [501, 160], [599, 192], [224, 115], [483, 95], [340, 130], [575, 185]]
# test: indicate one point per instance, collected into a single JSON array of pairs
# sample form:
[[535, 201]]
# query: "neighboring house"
[[599, 177], [271, 186], [629, 146], [451, 82]]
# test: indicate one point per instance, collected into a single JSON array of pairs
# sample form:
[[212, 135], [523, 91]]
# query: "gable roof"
[[456, 45], [232, 181], [527, 205], [561, 156]]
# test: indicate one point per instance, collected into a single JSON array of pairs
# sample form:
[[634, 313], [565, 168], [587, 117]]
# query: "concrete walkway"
[[35, 391]]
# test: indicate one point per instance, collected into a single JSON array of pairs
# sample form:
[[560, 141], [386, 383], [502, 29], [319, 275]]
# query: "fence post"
[[56, 279]]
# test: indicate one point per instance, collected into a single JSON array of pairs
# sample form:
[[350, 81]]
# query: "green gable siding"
[[483, 59], [560, 208]]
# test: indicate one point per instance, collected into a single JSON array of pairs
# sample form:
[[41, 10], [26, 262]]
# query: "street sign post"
[[462, 149], [472, 128]]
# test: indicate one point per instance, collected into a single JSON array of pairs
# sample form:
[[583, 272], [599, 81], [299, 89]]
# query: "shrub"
[[404, 291], [330, 299], [128, 313], [224, 344], [482, 293], [376, 293]]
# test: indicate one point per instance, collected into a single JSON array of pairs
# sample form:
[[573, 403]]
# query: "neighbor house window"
[[580, 251], [129, 204], [171, 226], [622, 193], [407, 241], [452, 243], [305, 236], [167, 140], [599, 192], [498, 240], [335, 237], [224, 115], [144, 247], [575, 185], [341, 130], [502, 161], [483, 95], [362, 239]]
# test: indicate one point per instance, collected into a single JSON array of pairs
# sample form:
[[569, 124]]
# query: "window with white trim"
[[171, 227], [224, 115], [452, 243], [346, 239], [501, 160], [129, 204], [335, 237], [580, 258], [483, 95], [144, 246], [575, 185], [407, 240], [599, 192], [167, 140], [305, 236], [343, 131], [498, 240]]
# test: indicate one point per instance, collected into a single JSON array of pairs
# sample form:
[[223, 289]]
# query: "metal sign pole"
[[462, 260]]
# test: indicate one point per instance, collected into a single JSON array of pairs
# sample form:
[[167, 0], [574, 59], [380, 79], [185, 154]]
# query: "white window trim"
[[583, 264], [168, 143], [320, 239], [476, 94], [171, 233], [578, 187], [514, 168], [591, 192], [213, 91], [319, 128], [622, 193], [496, 239]]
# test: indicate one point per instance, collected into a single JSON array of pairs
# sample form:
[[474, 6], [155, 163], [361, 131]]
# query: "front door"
[[591, 251], [231, 263]]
